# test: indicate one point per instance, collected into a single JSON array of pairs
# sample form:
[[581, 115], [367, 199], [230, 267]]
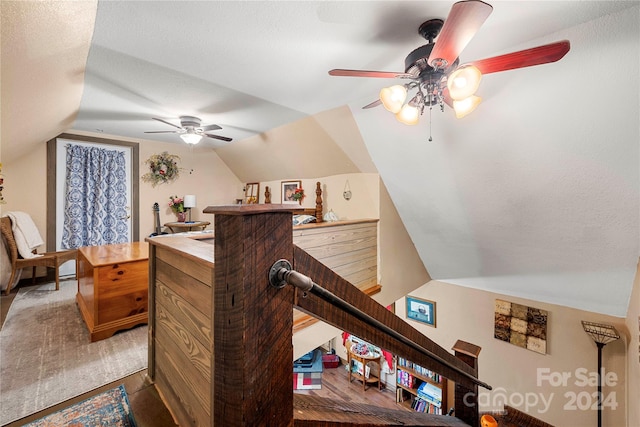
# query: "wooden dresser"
[[113, 282]]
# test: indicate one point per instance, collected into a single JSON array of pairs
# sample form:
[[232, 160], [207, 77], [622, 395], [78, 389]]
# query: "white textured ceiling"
[[535, 194]]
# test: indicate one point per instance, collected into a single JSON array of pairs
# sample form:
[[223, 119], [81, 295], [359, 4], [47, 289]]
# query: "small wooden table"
[[364, 360], [113, 283], [186, 226]]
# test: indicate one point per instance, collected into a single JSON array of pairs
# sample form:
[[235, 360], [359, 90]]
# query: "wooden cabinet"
[[420, 389], [349, 248], [113, 282]]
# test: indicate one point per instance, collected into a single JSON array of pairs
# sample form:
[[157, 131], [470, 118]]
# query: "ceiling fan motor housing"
[[190, 122], [417, 62], [431, 80]]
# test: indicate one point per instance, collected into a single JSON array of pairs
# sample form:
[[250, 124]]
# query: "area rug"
[[46, 357], [110, 408], [309, 376], [307, 381]]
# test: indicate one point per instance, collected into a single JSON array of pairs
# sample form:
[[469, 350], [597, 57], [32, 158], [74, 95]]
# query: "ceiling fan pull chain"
[[430, 139]]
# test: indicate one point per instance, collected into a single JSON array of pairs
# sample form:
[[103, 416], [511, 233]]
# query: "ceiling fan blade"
[[166, 122], [524, 58], [463, 22], [365, 73], [162, 131], [373, 104], [221, 138], [210, 127]]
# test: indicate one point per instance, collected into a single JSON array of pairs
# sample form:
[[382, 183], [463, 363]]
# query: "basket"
[[330, 360]]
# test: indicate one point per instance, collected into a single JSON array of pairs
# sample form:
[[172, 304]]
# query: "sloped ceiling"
[[535, 194], [44, 53]]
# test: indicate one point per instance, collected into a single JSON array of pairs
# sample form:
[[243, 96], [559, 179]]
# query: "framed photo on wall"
[[287, 190], [251, 192], [421, 310]]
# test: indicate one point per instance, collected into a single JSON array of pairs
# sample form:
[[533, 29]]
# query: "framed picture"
[[288, 188], [251, 192], [421, 310], [520, 325]]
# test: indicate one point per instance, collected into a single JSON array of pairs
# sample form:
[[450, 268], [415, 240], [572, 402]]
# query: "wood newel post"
[[466, 399], [252, 321], [319, 207]]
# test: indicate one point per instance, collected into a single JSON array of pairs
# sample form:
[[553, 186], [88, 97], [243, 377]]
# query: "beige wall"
[[203, 174], [364, 202], [633, 356], [25, 187], [399, 267], [468, 314]]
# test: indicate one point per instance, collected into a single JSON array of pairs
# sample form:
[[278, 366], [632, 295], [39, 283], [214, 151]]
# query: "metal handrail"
[[281, 274]]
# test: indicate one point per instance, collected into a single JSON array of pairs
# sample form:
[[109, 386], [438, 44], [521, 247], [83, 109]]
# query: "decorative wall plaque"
[[520, 325]]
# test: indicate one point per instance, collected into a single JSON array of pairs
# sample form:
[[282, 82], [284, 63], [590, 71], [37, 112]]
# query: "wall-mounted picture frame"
[[287, 190], [520, 325], [421, 310], [251, 192]]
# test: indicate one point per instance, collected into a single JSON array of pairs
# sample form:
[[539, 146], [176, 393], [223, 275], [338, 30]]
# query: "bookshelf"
[[420, 389]]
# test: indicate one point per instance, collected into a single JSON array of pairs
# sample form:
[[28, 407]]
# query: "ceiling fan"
[[190, 130], [434, 69]]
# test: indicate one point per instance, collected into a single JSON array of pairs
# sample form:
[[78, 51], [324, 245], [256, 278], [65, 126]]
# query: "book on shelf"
[[402, 362], [431, 393], [405, 379], [420, 405]]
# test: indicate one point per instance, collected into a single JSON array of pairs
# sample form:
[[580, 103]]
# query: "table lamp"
[[189, 202]]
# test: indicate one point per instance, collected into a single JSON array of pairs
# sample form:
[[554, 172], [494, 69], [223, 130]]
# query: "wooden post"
[[319, 207], [252, 343], [466, 399]]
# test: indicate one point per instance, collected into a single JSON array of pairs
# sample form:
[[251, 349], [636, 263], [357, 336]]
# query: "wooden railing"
[[250, 364]]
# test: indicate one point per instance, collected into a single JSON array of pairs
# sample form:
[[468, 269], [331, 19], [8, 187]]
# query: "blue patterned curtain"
[[95, 197]]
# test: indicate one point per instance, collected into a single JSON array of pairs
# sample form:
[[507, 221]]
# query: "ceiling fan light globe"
[[466, 106], [393, 97], [464, 82], [191, 138], [408, 115]]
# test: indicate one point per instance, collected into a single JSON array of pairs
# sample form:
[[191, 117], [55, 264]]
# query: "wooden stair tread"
[[319, 411]]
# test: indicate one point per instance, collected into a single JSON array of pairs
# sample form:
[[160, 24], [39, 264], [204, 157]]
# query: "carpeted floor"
[[46, 356], [109, 408]]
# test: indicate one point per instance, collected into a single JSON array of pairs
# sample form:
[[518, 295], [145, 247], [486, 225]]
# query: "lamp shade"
[[466, 106], [191, 138], [464, 82], [189, 201], [408, 115], [393, 97], [488, 421]]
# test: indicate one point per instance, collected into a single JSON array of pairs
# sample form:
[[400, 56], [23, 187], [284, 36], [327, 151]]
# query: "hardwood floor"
[[150, 411], [335, 385]]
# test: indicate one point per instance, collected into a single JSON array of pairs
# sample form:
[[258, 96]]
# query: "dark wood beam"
[[452, 368], [252, 342]]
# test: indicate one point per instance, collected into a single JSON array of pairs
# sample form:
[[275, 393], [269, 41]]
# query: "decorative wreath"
[[163, 168]]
